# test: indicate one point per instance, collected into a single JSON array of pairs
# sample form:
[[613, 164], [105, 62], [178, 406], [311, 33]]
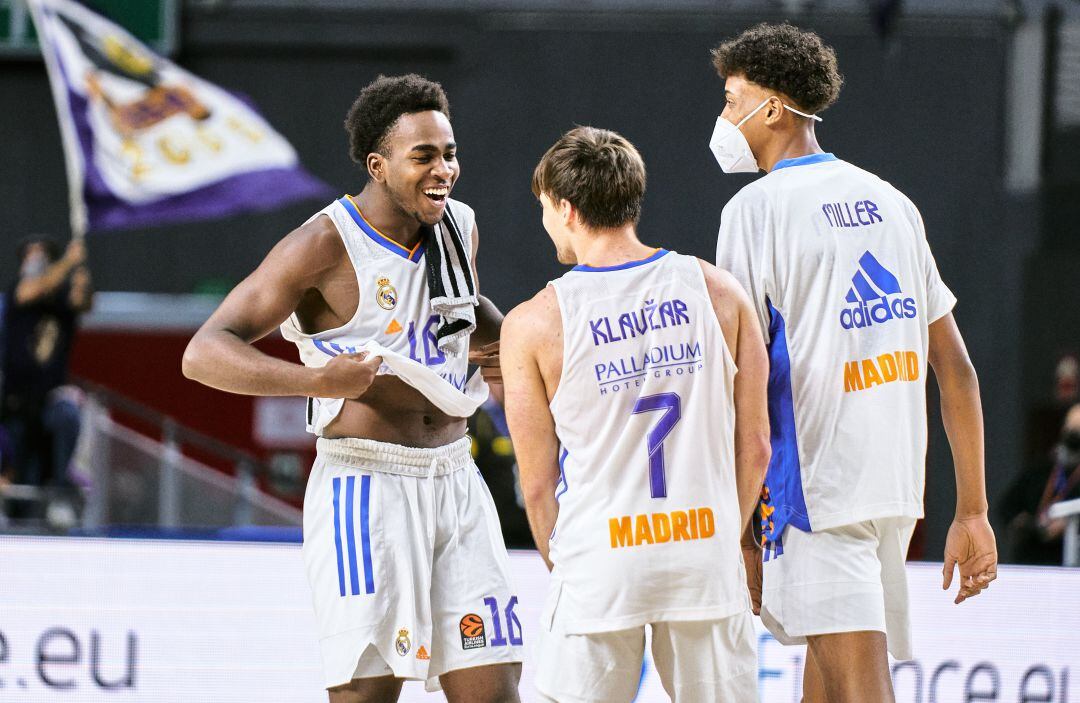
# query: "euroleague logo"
[[472, 632], [875, 297]]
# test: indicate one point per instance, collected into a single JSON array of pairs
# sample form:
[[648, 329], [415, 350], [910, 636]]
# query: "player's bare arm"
[[744, 340], [488, 317], [484, 341], [970, 544], [295, 276], [752, 448], [532, 352]]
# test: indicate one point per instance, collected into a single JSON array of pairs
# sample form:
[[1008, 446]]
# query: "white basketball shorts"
[[405, 557], [846, 579], [709, 661]]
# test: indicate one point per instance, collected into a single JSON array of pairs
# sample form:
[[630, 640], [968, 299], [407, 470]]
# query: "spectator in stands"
[[494, 455], [41, 313], [1037, 539], [7, 458]]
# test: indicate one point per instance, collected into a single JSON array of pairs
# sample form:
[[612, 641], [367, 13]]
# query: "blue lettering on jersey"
[[871, 288], [628, 325], [858, 214], [433, 356], [661, 361]]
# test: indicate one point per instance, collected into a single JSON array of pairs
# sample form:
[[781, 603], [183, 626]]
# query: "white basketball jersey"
[[648, 526], [394, 308], [836, 262]]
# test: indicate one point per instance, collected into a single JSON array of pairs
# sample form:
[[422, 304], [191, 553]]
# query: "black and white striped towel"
[[451, 285]]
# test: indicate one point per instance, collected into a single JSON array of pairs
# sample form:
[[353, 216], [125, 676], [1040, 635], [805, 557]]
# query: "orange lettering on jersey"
[[911, 360], [661, 526], [852, 377], [642, 533], [679, 523], [899, 366], [622, 534], [887, 364], [870, 373], [658, 528], [706, 524]]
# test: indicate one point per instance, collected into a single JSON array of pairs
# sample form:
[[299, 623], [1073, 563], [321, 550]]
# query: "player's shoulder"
[[881, 183], [720, 282], [725, 292], [314, 247], [753, 197], [534, 317], [320, 231]]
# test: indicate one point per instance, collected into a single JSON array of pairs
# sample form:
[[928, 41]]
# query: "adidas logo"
[[869, 296]]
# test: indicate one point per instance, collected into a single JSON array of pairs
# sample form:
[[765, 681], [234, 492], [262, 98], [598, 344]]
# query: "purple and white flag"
[[147, 143]]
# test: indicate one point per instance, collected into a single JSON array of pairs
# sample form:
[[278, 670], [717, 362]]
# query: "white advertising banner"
[[87, 620]]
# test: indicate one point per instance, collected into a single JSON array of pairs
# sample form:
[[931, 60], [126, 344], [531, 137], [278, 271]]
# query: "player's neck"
[[379, 211], [802, 142], [609, 247]]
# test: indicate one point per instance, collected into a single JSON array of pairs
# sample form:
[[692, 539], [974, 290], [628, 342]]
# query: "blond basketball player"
[[635, 393]]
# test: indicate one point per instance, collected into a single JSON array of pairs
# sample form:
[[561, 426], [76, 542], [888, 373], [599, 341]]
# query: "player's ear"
[[376, 166], [774, 111], [567, 211]]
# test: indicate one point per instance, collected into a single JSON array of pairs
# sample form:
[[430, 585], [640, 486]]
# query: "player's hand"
[[487, 358], [348, 375], [970, 545], [751, 554]]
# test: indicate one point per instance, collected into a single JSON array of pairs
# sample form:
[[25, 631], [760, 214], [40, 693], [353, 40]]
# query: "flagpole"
[[72, 153]]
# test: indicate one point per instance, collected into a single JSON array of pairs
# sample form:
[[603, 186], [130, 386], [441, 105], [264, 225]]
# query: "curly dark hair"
[[598, 171], [381, 103], [786, 59]]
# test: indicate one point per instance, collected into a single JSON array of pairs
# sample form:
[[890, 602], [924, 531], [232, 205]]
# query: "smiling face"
[[419, 166]]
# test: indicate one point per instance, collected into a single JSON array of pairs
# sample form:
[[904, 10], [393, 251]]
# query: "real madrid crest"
[[402, 642], [386, 295]]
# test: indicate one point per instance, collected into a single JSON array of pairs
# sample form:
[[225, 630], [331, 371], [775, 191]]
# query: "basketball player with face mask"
[[854, 312]]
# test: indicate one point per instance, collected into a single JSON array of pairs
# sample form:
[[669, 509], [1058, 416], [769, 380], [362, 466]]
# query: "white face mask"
[[729, 145]]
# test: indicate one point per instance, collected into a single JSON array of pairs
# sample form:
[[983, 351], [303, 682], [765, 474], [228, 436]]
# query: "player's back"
[[648, 524], [837, 263]]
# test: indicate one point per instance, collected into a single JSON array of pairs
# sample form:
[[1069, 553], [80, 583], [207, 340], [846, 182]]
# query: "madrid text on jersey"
[[898, 366], [869, 296], [658, 528]]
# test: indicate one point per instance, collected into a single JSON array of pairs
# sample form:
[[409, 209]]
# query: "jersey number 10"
[[672, 407]]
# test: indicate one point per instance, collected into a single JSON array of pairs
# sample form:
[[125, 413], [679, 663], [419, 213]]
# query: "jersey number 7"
[[672, 407]]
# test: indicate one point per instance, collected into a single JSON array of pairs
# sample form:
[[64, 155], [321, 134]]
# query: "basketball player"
[[838, 268], [641, 451], [401, 540]]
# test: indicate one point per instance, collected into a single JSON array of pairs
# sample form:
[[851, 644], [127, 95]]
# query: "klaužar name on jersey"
[[627, 370]]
